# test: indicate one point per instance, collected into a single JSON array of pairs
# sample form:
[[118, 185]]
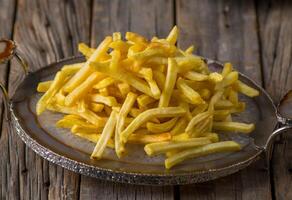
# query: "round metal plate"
[[61, 147]]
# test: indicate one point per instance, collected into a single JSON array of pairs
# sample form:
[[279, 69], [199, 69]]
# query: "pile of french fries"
[[151, 93]]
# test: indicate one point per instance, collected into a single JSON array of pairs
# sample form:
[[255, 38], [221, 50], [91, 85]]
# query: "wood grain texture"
[[275, 28], [45, 33], [226, 31], [7, 12], [148, 18]]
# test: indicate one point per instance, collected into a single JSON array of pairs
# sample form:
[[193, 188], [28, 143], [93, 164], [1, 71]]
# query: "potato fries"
[[150, 93]]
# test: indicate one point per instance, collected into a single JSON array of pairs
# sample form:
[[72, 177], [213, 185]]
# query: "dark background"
[[256, 36]]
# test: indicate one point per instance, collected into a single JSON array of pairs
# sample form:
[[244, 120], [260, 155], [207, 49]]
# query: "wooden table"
[[256, 36]]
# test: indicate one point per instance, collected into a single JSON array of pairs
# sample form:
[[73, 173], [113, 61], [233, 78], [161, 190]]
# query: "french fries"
[[148, 92]]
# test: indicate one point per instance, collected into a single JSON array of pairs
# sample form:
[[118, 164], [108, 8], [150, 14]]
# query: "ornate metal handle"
[[7, 52], [284, 116]]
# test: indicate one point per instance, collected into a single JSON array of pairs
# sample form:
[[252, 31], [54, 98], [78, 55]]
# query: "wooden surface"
[[255, 35]]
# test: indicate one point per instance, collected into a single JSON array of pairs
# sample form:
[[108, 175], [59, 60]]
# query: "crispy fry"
[[54, 88], [104, 83], [226, 146], [143, 100], [180, 126], [169, 83], [126, 107], [96, 107], [124, 88], [109, 101], [163, 127], [189, 93], [246, 90], [83, 88], [44, 86], [173, 35], [233, 126], [85, 50], [163, 147], [138, 138], [195, 76], [105, 136]]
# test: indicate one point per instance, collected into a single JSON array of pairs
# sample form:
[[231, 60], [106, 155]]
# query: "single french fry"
[[195, 76], [44, 86], [215, 77], [105, 136], [143, 100], [163, 147], [54, 88], [104, 83], [136, 38], [246, 90], [169, 83], [85, 71], [162, 127], [233, 97], [125, 109], [87, 114], [173, 35], [214, 100], [190, 49], [147, 74], [109, 101], [181, 137], [96, 107], [81, 105], [180, 126], [223, 104], [160, 78], [189, 93], [89, 129], [85, 50], [72, 69], [147, 115], [226, 146], [83, 88], [138, 138], [227, 69], [124, 88], [233, 126], [220, 115], [116, 55]]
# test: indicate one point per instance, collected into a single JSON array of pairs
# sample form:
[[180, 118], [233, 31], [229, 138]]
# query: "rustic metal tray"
[[73, 153]]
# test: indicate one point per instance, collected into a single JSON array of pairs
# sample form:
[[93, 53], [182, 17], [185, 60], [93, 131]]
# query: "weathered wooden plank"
[[7, 13], [147, 18], [45, 31], [275, 27], [226, 31]]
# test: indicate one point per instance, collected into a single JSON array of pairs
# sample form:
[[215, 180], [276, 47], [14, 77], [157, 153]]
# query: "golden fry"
[[233, 126], [226, 146]]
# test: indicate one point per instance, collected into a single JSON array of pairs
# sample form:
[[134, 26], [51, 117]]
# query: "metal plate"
[[71, 152]]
